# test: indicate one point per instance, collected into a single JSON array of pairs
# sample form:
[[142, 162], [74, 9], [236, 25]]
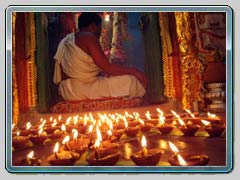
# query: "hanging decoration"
[[191, 67], [169, 90], [117, 54], [30, 56], [15, 107]]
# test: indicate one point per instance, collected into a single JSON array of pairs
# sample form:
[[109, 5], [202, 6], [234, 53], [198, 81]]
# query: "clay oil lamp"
[[40, 137], [63, 158], [132, 122], [68, 124], [130, 131], [146, 157], [188, 160], [30, 160], [192, 117], [163, 127], [51, 128], [145, 126], [214, 130], [188, 129], [153, 121], [102, 156], [213, 118], [20, 141], [77, 145], [103, 153], [26, 131]]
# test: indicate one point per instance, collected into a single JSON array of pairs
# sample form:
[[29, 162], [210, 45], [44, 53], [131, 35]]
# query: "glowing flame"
[[144, 142], [125, 122], [63, 127], [206, 123], [190, 113], [59, 117], [41, 125], [28, 125], [110, 125], [181, 161], [51, 118], [99, 136], [56, 147], [30, 155], [66, 139], [107, 17], [181, 122], [109, 132], [75, 133], [13, 125], [141, 121], [161, 119], [75, 119], [211, 115], [40, 131], [148, 115], [84, 122], [18, 133], [54, 124], [173, 147], [97, 143], [126, 114], [68, 120], [160, 112], [41, 119], [175, 114], [90, 129]]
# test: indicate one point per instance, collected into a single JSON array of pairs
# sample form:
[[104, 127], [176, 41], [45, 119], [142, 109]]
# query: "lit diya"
[[26, 131], [162, 126], [213, 118], [103, 156], [214, 130], [131, 131], [188, 129], [51, 128], [189, 160], [30, 160], [20, 141], [145, 126], [150, 119], [63, 158], [77, 145], [146, 157], [40, 137]]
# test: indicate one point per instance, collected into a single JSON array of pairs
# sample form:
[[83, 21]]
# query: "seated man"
[[80, 58]]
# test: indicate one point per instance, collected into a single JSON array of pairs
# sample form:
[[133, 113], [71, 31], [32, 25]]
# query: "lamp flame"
[[144, 142], [90, 129], [181, 161], [173, 147], [190, 113], [30, 155], [68, 120], [56, 147], [109, 132], [161, 119], [63, 127], [18, 133], [107, 17], [175, 114], [210, 115], [99, 136], [97, 143], [13, 125], [148, 115], [65, 140], [59, 118], [75, 133], [141, 121], [160, 112], [40, 131], [206, 123], [181, 122], [28, 125], [125, 122]]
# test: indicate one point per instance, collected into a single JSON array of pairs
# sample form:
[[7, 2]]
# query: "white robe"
[[84, 82]]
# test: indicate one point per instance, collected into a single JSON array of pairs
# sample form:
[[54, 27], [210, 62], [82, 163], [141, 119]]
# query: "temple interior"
[[183, 54]]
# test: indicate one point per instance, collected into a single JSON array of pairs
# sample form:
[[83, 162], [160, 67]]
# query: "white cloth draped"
[[84, 82]]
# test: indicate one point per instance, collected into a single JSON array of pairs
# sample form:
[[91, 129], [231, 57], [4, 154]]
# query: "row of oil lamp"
[[110, 128], [115, 126], [104, 153]]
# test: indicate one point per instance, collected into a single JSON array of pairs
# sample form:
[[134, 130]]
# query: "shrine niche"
[[181, 120]]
